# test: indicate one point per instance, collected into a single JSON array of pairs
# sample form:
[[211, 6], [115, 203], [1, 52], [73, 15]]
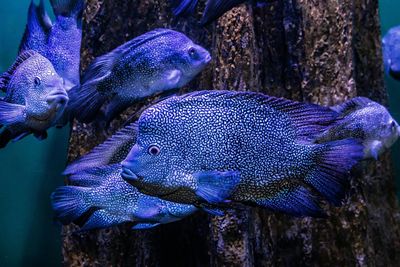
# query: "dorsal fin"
[[308, 119], [101, 67], [352, 105], [113, 150], [37, 28], [6, 76]]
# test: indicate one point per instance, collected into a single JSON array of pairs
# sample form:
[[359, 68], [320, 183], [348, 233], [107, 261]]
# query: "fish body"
[[100, 198], [35, 97], [60, 42], [219, 146], [366, 120], [155, 62]]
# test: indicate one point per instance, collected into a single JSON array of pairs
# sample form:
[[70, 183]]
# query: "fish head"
[[187, 57], [41, 87], [381, 127], [154, 163], [391, 52]]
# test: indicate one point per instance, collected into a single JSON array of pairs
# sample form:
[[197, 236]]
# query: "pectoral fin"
[[11, 113], [216, 186], [172, 77], [141, 226], [375, 148]]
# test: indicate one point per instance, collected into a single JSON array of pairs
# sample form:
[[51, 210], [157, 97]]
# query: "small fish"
[[35, 98], [155, 62], [213, 10], [391, 52], [100, 198], [59, 42], [366, 120], [113, 150], [218, 146]]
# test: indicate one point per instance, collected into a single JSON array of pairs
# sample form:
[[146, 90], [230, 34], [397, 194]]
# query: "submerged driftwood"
[[318, 51]]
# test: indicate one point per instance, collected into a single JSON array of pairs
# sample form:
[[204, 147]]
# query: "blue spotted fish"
[[217, 147], [100, 198], [153, 63], [35, 98], [58, 41]]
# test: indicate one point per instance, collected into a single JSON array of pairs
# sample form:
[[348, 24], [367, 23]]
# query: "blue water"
[[29, 170]]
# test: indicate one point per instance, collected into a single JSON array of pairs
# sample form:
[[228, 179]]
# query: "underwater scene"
[[199, 133]]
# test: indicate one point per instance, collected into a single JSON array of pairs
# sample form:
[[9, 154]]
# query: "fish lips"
[[129, 176]]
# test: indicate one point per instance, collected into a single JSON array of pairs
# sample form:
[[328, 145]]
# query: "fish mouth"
[[207, 59], [58, 98], [129, 176]]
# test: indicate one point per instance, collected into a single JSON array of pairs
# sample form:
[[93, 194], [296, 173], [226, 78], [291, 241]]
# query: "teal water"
[[389, 13], [30, 170]]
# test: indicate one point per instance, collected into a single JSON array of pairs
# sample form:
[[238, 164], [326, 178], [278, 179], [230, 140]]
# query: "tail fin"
[[216, 8], [69, 203], [85, 102], [334, 161], [68, 8], [183, 7]]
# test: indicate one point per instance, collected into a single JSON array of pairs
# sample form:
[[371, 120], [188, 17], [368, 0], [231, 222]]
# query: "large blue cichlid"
[[100, 198], [155, 62], [35, 98], [213, 147], [58, 41], [113, 150], [367, 121]]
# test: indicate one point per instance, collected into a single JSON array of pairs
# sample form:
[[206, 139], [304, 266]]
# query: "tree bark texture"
[[318, 51]]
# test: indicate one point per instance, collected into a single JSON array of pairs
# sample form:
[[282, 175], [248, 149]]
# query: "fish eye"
[[37, 81], [393, 124], [192, 52], [153, 150]]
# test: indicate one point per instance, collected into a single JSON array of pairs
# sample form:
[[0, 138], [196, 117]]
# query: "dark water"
[[29, 170]]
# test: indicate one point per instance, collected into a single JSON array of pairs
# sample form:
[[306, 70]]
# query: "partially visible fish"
[[100, 198], [113, 150], [213, 10], [218, 146], [59, 42], [35, 98], [155, 62], [366, 120]]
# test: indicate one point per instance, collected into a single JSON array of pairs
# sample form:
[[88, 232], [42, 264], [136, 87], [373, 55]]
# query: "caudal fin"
[[333, 162], [69, 203], [183, 7], [85, 102], [68, 8]]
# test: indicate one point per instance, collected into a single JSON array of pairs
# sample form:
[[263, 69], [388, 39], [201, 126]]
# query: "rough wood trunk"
[[318, 51]]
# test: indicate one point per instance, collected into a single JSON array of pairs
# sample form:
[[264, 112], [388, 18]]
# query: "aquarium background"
[[30, 170]]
